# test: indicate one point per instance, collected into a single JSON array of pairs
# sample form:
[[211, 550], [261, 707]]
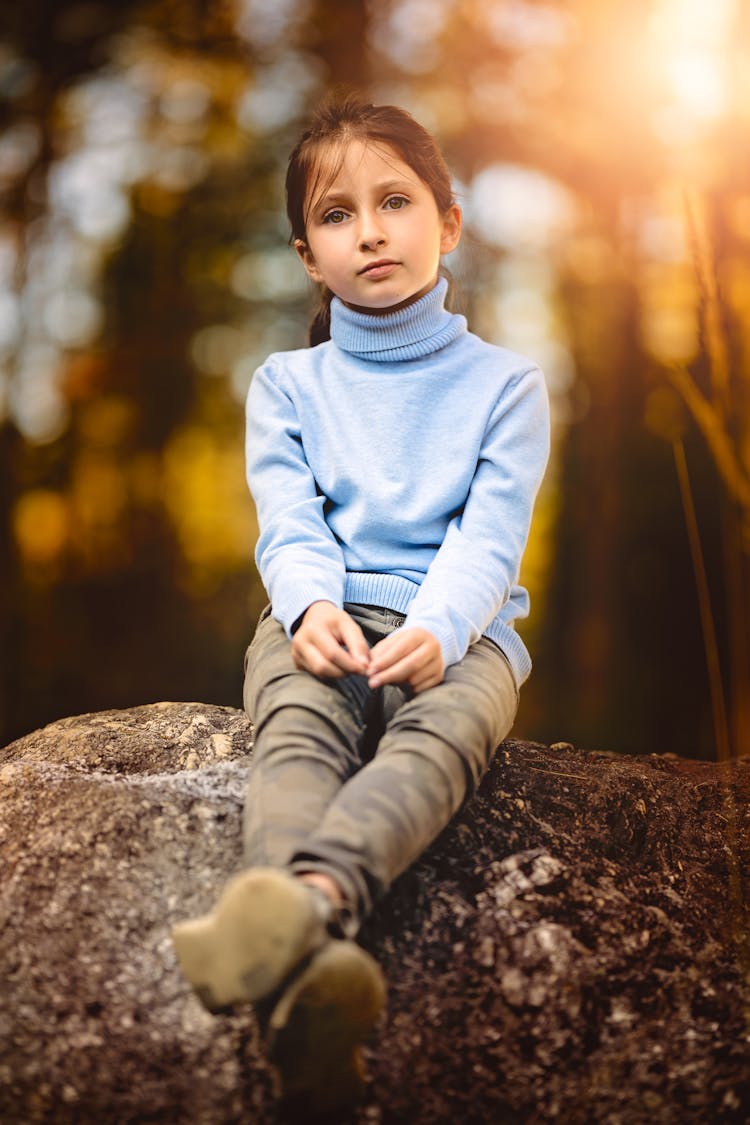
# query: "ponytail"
[[320, 325]]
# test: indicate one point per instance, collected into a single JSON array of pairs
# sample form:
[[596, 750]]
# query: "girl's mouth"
[[379, 269]]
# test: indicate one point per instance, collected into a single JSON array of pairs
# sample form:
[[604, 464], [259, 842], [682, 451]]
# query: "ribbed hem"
[[388, 590]]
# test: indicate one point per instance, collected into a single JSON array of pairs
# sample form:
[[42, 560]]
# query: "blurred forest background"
[[600, 150]]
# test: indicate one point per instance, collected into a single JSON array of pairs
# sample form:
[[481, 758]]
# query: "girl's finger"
[[317, 654], [314, 662], [400, 671], [354, 639], [429, 681], [345, 661], [392, 648], [321, 652]]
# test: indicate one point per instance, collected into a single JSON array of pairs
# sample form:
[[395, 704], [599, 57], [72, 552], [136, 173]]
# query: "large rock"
[[569, 950]]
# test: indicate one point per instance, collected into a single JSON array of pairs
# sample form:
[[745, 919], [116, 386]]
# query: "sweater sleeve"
[[297, 555], [473, 573]]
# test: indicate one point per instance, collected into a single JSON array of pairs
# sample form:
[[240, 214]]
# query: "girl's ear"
[[307, 259], [451, 233]]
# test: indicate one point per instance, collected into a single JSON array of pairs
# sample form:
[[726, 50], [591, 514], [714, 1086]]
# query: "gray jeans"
[[355, 782]]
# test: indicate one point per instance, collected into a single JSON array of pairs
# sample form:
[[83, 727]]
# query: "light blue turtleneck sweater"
[[397, 465]]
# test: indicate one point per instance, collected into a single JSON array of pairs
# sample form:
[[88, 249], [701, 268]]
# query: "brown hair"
[[335, 123]]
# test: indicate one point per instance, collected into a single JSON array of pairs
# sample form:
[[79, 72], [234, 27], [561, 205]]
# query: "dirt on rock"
[[574, 948]]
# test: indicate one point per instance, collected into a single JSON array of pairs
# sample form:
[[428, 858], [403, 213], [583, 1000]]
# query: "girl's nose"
[[371, 243], [370, 233]]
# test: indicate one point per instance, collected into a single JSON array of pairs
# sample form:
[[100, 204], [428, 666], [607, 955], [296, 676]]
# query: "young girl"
[[394, 467]]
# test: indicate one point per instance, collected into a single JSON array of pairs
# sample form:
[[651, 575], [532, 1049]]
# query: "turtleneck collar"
[[410, 333]]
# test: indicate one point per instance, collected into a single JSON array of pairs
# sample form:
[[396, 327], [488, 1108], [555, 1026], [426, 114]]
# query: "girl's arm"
[[297, 555], [473, 573]]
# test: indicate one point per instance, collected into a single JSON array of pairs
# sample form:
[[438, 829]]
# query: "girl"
[[394, 467]]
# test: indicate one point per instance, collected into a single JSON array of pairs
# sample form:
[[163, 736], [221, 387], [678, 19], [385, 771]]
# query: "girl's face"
[[374, 234]]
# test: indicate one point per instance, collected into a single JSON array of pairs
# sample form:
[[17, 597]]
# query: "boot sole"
[[317, 1028], [263, 925]]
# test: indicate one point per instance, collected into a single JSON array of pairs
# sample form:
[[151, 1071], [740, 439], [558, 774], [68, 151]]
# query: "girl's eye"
[[396, 202], [335, 217]]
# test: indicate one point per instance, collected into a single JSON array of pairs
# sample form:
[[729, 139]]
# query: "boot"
[[316, 1031], [264, 924]]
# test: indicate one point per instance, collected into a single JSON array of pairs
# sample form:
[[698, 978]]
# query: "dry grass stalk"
[[723, 433]]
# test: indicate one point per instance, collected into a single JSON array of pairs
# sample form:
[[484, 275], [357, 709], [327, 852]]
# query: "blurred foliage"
[[598, 149]]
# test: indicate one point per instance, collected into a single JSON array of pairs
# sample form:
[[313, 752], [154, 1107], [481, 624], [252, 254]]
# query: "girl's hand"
[[407, 656], [330, 643]]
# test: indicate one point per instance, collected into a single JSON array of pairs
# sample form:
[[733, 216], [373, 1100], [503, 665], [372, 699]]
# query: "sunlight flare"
[[691, 40]]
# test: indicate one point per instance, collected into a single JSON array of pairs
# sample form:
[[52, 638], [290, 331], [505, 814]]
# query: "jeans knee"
[[450, 735]]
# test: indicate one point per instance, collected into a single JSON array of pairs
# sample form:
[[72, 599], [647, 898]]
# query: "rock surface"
[[567, 951]]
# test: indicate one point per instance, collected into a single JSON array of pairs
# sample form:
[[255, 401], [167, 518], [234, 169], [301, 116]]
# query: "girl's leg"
[[309, 735], [268, 940], [435, 750]]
